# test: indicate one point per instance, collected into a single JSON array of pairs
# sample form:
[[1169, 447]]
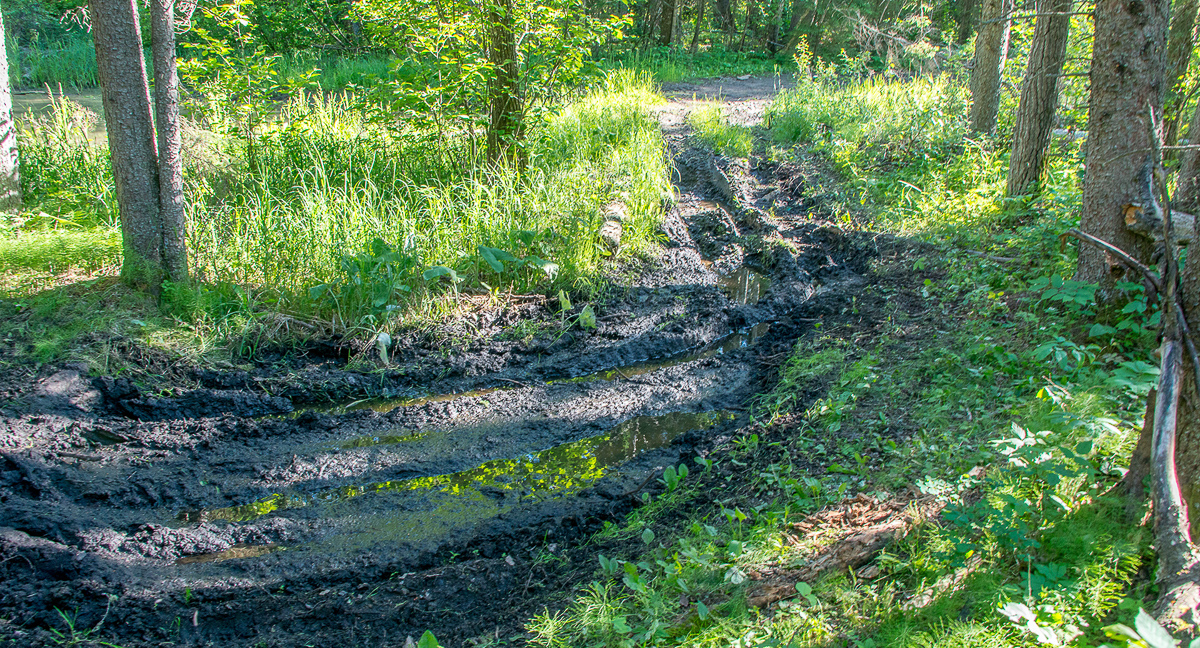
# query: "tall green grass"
[[70, 63], [61, 172], [906, 151], [709, 123], [334, 73], [308, 209], [673, 67]]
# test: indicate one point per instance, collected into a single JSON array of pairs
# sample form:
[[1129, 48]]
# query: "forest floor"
[[298, 503]]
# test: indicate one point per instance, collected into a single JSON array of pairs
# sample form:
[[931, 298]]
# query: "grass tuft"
[[720, 136]]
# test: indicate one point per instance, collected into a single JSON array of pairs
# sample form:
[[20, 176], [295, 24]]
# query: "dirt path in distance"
[[301, 504]]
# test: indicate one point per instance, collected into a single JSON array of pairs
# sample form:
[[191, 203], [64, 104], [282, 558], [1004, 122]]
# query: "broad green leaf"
[[587, 318], [427, 641], [702, 610], [489, 255], [440, 271]]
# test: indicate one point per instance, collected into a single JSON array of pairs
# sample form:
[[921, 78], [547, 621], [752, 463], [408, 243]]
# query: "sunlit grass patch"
[[59, 250], [330, 213], [326, 183], [717, 133], [673, 67]]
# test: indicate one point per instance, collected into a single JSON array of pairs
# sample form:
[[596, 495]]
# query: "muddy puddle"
[[233, 553], [745, 286], [561, 470]]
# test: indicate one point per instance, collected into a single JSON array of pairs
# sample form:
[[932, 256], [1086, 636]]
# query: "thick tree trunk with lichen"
[[10, 170], [1039, 96], [131, 142], [991, 49], [1127, 80], [170, 146]]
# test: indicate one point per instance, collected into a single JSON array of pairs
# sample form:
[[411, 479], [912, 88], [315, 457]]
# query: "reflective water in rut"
[[557, 471], [745, 286]]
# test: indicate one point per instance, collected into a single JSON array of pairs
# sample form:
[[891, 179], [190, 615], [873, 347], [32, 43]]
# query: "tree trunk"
[[1128, 65], [774, 35], [1187, 455], [965, 18], [1180, 597], [725, 9], [1133, 484], [748, 28], [991, 49], [650, 22], [127, 118], [170, 146], [1039, 97], [700, 4], [1187, 192], [10, 169], [1179, 53], [507, 128], [666, 23]]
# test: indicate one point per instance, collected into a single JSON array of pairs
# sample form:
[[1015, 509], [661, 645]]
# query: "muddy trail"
[[298, 503]]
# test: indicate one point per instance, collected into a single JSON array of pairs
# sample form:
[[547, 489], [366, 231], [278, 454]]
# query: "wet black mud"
[[300, 503]]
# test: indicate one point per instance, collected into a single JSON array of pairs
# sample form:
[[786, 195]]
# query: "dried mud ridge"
[[249, 510]]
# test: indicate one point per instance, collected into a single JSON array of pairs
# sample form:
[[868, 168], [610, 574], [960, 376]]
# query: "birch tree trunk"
[[170, 147], [10, 168], [1127, 79], [991, 49], [131, 142], [1039, 96]]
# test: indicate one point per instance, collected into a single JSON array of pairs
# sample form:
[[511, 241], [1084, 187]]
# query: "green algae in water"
[[558, 471]]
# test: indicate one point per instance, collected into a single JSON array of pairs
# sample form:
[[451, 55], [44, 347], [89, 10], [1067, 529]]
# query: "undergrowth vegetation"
[[672, 67], [325, 212], [995, 403]]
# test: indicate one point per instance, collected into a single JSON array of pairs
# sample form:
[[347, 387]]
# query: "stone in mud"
[[616, 211], [610, 232]]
